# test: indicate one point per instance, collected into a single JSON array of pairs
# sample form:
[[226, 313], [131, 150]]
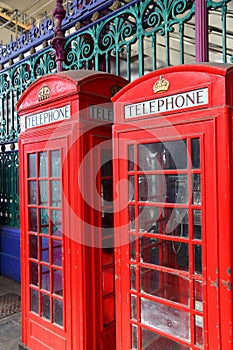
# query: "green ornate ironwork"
[[9, 189], [109, 44]]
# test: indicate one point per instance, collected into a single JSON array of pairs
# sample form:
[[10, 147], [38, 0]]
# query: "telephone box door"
[[44, 291], [162, 257]]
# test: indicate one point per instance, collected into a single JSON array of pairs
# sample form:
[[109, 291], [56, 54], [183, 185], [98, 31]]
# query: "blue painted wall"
[[10, 253]]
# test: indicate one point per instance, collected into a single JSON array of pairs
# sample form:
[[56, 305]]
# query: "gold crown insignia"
[[43, 93], [161, 85]]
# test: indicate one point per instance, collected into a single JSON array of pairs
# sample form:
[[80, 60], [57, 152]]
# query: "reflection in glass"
[[57, 282], [131, 218], [197, 224], [163, 188], [196, 189], [106, 186], [149, 250], [33, 273], [33, 247], [198, 330], [163, 155], [34, 301], [132, 277], [165, 285], [198, 259], [133, 307], [132, 248], [134, 337], [149, 219], [177, 224], [43, 188], [32, 192], [58, 312], [43, 164], [55, 193], [57, 252], [44, 221], [173, 321], [32, 165], [56, 222], [45, 306], [44, 249], [32, 219], [106, 161], [55, 163], [154, 341], [131, 187], [196, 153], [131, 157], [45, 278], [198, 294]]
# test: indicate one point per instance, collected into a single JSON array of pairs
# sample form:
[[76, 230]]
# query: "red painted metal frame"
[[81, 261], [213, 125]]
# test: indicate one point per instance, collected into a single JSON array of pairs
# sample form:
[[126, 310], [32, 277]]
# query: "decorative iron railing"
[[121, 37], [9, 191]]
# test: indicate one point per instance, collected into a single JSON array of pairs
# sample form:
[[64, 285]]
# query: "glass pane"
[[196, 153], [149, 219], [108, 310], [131, 218], [44, 221], [165, 318], [45, 306], [107, 221], [44, 249], [165, 285], [32, 192], [108, 280], [32, 219], [43, 164], [197, 189], [106, 162], [33, 247], [58, 312], [177, 224], [57, 282], [106, 186], [164, 253], [55, 163], [154, 341], [32, 165], [57, 252], [131, 157], [163, 155], [197, 224], [132, 277], [198, 259], [133, 307], [34, 301], [43, 188], [34, 273], [131, 189], [55, 193], [198, 294], [163, 188], [134, 337], [198, 330], [56, 222], [45, 278], [132, 247]]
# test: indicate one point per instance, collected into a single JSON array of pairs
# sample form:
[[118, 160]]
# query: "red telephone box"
[[173, 173], [67, 255]]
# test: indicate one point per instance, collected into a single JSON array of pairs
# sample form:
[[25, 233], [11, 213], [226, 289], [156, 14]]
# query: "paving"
[[10, 315]]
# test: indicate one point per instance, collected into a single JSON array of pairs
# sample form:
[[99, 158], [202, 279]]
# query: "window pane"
[[132, 277], [133, 307], [56, 222], [43, 164], [55, 163], [154, 341], [197, 224], [44, 249], [131, 218], [134, 337], [58, 312], [197, 189], [44, 221], [32, 165], [32, 192], [196, 153], [165, 318], [45, 306], [43, 188], [34, 273], [131, 192], [108, 310], [198, 259], [57, 282], [34, 301], [55, 193], [33, 219], [131, 157], [108, 280], [57, 252], [45, 278], [33, 247]]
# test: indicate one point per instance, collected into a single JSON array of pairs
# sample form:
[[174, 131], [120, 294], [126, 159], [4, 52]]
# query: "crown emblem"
[[161, 85], [43, 93]]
